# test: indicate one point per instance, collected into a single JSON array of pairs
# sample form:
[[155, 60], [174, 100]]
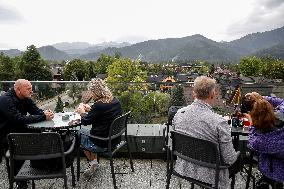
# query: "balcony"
[[149, 172]]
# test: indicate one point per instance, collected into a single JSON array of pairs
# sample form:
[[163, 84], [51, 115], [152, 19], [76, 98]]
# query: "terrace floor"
[[149, 173]]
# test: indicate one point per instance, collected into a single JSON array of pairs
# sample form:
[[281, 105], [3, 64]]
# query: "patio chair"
[[201, 152], [37, 146], [171, 114], [117, 128]]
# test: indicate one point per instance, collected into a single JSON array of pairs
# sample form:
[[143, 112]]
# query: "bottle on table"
[[237, 118]]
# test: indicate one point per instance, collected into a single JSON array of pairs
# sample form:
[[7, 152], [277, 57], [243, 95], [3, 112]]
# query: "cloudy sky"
[[45, 22]]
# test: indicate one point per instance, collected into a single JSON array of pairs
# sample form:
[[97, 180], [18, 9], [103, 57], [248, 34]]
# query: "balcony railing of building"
[[149, 102]]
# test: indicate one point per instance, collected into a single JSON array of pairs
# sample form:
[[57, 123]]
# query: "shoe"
[[90, 171], [22, 185]]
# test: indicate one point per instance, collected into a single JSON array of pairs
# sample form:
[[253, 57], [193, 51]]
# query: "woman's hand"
[[80, 109], [87, 107], [246, 115]]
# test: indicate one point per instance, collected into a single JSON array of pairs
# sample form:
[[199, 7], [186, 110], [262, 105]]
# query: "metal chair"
[[117, 128], [201, 152], [37, 146]]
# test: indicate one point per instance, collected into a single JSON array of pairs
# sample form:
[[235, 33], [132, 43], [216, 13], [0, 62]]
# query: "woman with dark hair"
[[267, 140]]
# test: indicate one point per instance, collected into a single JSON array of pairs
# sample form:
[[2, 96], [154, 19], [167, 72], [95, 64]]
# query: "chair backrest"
[[198, 151], [118, 126], [35, 146], [172, 112]]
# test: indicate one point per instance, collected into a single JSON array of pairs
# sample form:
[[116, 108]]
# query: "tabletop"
[[239, 131], [60, 121]]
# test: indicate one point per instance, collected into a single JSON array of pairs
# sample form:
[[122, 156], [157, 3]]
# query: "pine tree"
[[59, 105], [177, 97]]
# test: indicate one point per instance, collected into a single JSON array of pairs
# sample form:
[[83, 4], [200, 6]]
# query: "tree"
[[250, 66], [155, 68], [59, 105], [233, 67], [177, 96], [122, 72], [91, 70], [144, 106], [273, 69], [7, 70], [32, 67], [100, 67], [76, 70]]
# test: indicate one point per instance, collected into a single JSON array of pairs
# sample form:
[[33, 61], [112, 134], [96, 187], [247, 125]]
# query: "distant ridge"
[[11, 52], [51, 53], [257, 41], [190, 48], [276, 51], [196, 47], [79, 48], [73, 45]]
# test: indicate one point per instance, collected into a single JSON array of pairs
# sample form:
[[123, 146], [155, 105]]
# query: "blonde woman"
[[100, 115]]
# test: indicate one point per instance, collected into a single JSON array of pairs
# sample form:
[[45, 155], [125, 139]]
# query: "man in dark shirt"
[[16, 110]]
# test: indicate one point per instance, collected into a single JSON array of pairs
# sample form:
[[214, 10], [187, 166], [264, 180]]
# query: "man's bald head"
[[23, 88]]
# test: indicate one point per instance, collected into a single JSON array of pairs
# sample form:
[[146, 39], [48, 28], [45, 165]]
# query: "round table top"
[[60, 121]]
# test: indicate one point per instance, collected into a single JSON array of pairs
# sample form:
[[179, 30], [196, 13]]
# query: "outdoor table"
[[60, 121], [236, 132]]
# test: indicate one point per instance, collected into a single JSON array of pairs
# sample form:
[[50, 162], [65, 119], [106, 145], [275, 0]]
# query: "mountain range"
[[190, 48]]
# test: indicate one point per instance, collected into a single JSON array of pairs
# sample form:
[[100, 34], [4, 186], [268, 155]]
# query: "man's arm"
[[33, 109], [9, 110], [227, 150]]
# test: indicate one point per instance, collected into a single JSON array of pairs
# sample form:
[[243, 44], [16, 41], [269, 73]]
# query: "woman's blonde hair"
[[262, 115], [204, 87], [100, 90]]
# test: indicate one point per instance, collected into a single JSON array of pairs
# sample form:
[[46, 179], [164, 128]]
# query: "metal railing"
[[149, 102]]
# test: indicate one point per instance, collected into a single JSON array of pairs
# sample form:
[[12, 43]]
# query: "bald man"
[[17, 109]]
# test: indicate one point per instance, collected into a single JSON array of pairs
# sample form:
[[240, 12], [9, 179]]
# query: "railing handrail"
[[39, 82]]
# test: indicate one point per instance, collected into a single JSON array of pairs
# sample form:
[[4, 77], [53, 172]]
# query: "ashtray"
[[65, 117]]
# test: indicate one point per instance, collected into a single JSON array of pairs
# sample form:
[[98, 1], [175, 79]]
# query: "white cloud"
[[94, 21], [265, 15]]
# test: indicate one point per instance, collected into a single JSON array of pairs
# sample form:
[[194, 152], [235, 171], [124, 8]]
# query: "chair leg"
[[170, 170], [78, 158], [73, 175], [249, 171], [233, 181], [112, 173], [11, 185], [11, 182], [168, 161], [253, 182], [8, 171], [78, 166], [168, 180], [130, 157], [65, 181], [7, 166], [33, 184]]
